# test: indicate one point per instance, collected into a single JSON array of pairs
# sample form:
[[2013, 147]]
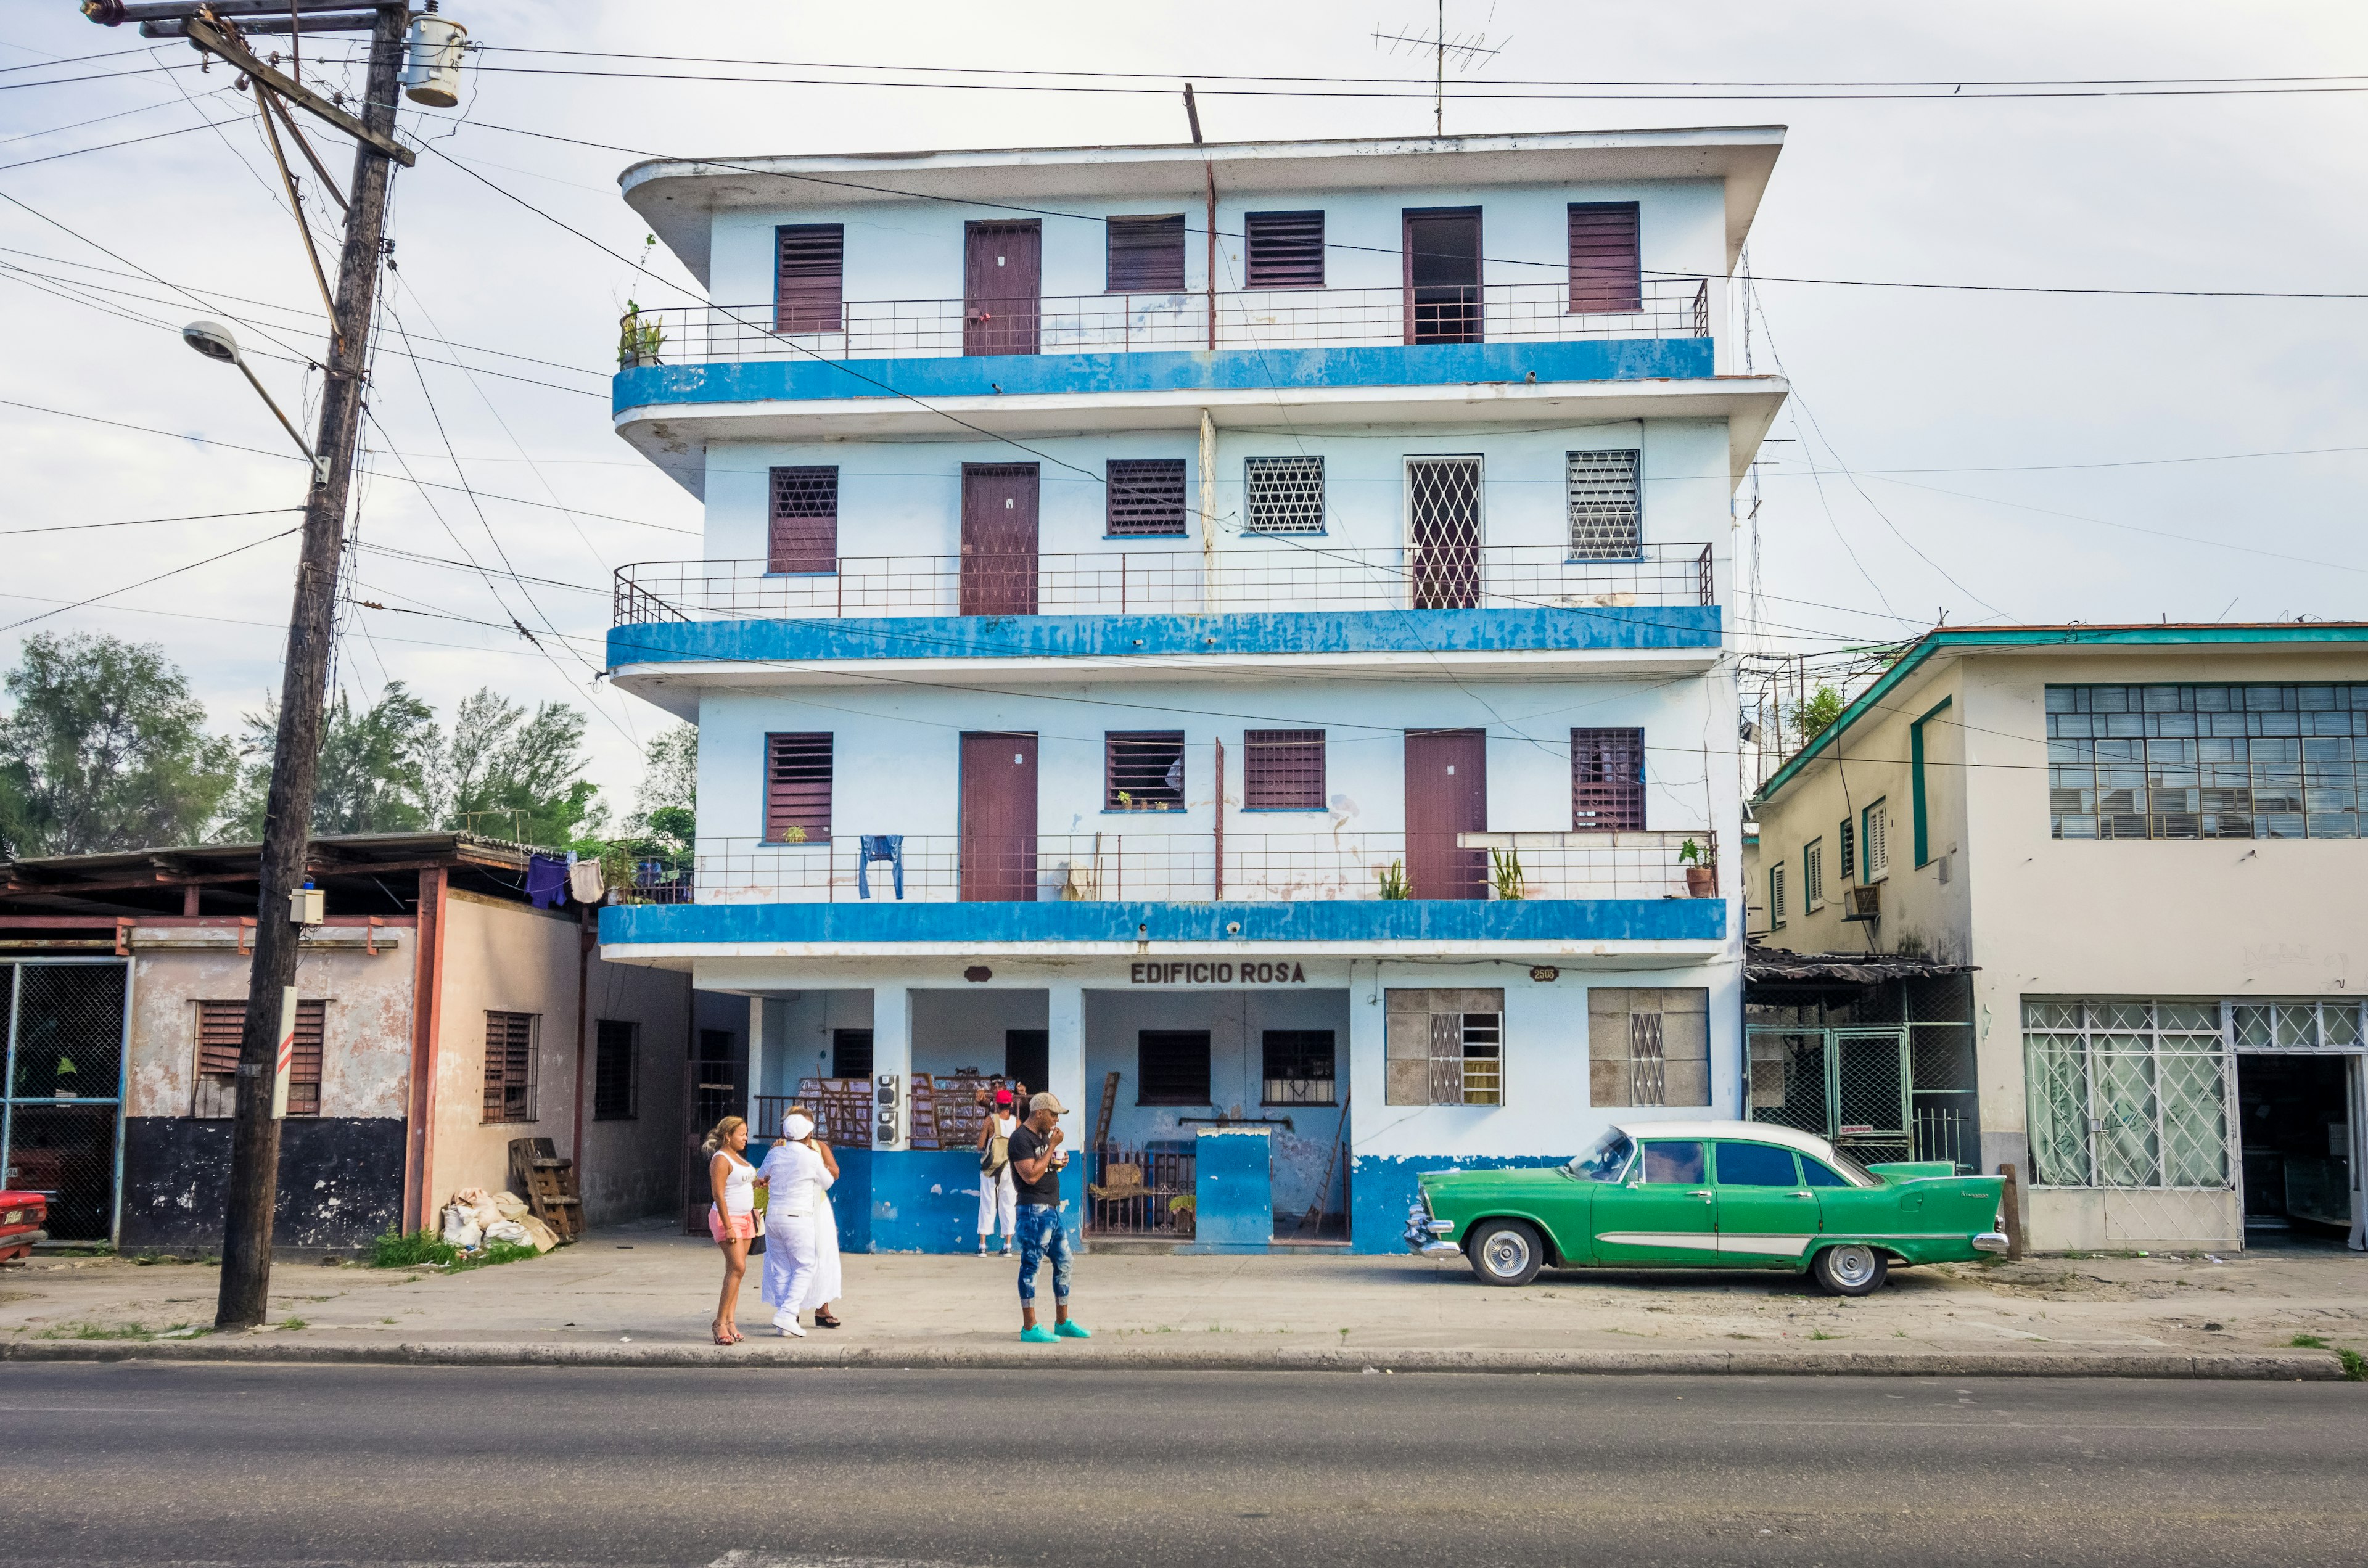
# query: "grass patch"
[[98, 1330], [2355, 1366], [2307, 1342], [1821, 1333], [426, 1249], [295, 1322]]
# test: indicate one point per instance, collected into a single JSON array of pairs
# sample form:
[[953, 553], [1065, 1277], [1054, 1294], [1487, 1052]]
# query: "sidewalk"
[[642, 1295]]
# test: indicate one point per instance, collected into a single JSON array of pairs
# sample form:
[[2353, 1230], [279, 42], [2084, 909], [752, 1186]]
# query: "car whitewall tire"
[[1505, 1252], [1851, 1269]]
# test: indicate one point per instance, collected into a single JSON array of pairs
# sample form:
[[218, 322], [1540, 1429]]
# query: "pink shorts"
[[743, 1226]]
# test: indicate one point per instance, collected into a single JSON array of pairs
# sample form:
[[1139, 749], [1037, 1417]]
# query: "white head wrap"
[[797, 1128]]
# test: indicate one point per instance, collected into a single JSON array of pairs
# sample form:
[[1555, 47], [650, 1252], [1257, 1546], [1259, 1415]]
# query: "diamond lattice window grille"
[[1606, 505], [1284, 495]]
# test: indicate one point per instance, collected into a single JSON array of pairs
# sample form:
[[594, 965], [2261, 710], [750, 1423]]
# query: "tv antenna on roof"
[[1467, 51]]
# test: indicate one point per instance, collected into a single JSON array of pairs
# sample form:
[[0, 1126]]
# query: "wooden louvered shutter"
[[803, 535], [1285, 250], [810, 276], [797, 788], [509, 1067], [1146, 496], [222, 1027], [1147, 256], [1605, 271], [1607, 780], [305, 1068]]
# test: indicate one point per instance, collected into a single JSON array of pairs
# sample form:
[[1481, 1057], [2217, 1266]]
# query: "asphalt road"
[[158, 1463]]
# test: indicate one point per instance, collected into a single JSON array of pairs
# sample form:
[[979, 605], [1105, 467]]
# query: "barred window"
[[1172, 1067], [1444, 1047], [797, 789], [809, 278], [1648, 1045], [804, 531], [1143, 770], [1299, 1067], [1282, 495], [1147, 256], [222, 1028], [2128, 1092], [1607, 780], [616, 1071], [2256, 761], [1282, 770], [1144, 496], [1285, 250], [510, 1066], [1607, 510]]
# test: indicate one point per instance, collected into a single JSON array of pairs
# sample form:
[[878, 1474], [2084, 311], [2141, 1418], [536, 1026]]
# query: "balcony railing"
[[1153, 582], [1156, 867], [1122, 324]]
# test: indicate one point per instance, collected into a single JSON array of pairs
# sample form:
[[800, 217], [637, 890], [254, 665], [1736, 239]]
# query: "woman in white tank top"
[[732, 1217]]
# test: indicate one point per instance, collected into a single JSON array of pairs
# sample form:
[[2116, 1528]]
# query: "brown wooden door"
[[1443, 275], [998, 818], [1444, 532], [1003, 287], [1446, 793], [998, 539]]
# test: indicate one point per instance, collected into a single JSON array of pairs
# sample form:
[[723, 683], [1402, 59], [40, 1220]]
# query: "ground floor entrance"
[[61, 1117], [2294, 1130]]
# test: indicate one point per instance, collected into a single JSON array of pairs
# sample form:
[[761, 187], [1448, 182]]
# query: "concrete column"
[[755, 1062], [891, 1056], [1064, 1063]]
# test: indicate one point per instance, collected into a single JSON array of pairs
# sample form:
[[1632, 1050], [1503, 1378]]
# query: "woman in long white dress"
[[825, 1286], [795, 1206]]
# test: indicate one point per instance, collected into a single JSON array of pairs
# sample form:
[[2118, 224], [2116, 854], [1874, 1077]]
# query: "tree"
[[511, 774], [1816, 714], [375, 768], [666, 805], [105, 749]]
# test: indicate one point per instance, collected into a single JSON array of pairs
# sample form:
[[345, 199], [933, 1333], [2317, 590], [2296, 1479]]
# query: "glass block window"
[[1143, 770], [2205, 761], [803, 531], [1144, 496], [1282, 770], [2128, 1093], [1607, 505], [1284, 495]]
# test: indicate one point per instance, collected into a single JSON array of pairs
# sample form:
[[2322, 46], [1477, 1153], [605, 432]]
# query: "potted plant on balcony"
[[1505, 874], [1394, 881], [1702, 881], [638, 341]]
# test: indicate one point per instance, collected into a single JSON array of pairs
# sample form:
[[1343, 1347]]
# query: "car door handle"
[[1700, 1192], [1799, 1195]]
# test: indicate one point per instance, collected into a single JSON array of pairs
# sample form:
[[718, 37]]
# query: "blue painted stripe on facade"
[[1522, 628], [1336, 920], [926, 1200], [1382, 1189], [1224, 370]]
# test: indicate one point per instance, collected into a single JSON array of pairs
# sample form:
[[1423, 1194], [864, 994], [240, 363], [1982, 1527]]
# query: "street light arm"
[[302, 445]]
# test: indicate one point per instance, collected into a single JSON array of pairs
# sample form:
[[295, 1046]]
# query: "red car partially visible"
[[22, 1215]]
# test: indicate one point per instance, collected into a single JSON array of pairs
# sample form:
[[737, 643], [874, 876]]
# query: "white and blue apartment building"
[[1233, 634]]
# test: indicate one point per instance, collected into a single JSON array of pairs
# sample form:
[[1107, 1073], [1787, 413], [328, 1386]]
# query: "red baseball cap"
[[1003, 1097]]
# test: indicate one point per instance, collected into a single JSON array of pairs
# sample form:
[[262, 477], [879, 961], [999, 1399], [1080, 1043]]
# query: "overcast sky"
[[2015, 457]]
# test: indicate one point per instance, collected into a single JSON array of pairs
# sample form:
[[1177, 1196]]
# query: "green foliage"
[[1505, 873], [1816, 714], [512, 774], [426, 1249], [105, 749], [2355, 1366], [2307, 1342], [1689, 853], [376, 765], [663, 825], [1393, 881], [636, 339]]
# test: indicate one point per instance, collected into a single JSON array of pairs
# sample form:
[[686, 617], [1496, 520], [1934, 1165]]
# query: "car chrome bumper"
[[1427, 1237], [1991, 1241], [1439, 1249]]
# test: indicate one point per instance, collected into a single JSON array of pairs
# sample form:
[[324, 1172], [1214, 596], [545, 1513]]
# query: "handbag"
[[756, 1242]]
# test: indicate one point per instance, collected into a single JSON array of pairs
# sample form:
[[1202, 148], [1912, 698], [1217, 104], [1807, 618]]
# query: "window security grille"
[[2206, 761], [509, 1067], [616, 1071], [1607, 780], [803, 535], [797, 788], [1143, 770], [1172, 1067], [1443, 1049], [1443, 529], [1607, 512], [1285, 250], [1144, 496], [1813, 876], [1648, 1045], [1847, 833], [1605, 270], [1298, 1067], [1776, 896], [1282, 770], [221, 1026], [2128, 1093], [809, 278], [1284, 495], [1877, 846], [850, 1053], [1147, 256]]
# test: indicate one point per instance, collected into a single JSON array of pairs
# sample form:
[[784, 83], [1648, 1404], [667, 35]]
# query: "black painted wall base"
[[340, 1182]]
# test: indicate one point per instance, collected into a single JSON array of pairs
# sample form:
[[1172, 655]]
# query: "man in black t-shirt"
[[1036, 1159]]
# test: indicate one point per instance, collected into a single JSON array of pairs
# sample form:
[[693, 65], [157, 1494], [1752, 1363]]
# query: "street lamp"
[[215, 341]]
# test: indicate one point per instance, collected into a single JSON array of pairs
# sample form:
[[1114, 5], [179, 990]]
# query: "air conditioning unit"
[[1865, 903]]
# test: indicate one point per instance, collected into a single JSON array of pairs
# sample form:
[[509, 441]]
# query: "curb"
[[2276, 1366]]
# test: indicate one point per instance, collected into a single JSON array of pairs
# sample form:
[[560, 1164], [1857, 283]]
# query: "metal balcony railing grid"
[[1162, 866], [1189, 581], [1123, 324]]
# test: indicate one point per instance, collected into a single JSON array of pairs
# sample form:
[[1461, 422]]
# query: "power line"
[[139, 522], [159, 577]]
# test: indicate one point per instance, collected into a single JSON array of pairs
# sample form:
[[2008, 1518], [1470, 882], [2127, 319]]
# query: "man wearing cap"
[[996, 1197], [1036, 1160]]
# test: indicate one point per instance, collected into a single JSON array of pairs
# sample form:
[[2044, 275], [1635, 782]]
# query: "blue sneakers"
[[1038, 1334], [1067, 1330]]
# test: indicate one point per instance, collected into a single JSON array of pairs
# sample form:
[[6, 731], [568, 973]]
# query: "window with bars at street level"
[[1283, 250], [1607, 510], [1607, 780], [509, 1067], [1143, 498], [1143, 770], [1282, 770], [1648, 1045], [1298, 1067], [803, 536], [1146, 256], [222, 1028], [1172, 1067], [797, 788], [1282, 495], [616, 1070], [1443, 1046]]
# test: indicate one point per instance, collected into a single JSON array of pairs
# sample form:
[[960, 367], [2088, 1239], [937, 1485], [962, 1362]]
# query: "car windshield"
[[1605, 1160]]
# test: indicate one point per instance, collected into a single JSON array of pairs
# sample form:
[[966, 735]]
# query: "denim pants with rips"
[[1042, 1236]]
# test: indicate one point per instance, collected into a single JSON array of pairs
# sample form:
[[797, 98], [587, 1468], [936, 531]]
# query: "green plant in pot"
[[1505, 873], [1701, 881], [1393, 880], [638, 341]]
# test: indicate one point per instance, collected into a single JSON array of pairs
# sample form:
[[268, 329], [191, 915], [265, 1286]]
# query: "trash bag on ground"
[[508, 1231], [462, 1230], [512, 1206]]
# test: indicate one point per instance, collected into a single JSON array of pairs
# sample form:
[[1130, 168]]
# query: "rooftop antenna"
[[1192, 113], [1467, 53]]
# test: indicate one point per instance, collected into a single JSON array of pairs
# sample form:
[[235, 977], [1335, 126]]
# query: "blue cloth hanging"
[[546, 881], [888, 846]]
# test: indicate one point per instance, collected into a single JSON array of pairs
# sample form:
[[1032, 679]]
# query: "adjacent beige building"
[[2144, 843]]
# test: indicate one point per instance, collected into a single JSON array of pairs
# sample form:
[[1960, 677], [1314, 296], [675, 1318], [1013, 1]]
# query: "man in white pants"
[[797, 1179], [998, 1197]]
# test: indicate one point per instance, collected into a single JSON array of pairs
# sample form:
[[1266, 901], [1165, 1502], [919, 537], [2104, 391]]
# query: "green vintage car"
[[1709, 1195]]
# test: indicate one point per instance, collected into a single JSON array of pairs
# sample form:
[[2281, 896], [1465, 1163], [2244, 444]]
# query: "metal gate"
[[1851, 1086], [61, 1124]]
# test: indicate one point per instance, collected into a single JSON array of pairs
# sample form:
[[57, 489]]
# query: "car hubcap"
[[1507, 1252], [1852, 1265]]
